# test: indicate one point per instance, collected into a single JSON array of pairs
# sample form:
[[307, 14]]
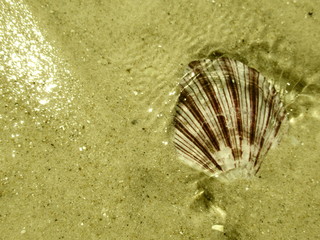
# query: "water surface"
[[87, 93]]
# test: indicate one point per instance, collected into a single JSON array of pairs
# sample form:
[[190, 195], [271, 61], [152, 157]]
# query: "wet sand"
[[88, 90]]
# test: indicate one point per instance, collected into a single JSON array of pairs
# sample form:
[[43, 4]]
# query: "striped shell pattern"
[[227, 117]]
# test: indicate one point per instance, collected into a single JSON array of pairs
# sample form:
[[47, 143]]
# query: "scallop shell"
[[227, 117]]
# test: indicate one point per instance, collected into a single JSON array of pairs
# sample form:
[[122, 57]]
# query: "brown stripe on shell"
[[227, 117], [193, 108], [195, 140], [208, 89], [233, 90]]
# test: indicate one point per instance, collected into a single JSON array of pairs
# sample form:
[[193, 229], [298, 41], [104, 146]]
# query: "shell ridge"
[[239, 103], [191, 129], [198, 118], [261, 123], [193, 125], [266, 114], [227, 108], [194, 153], [234, 110], [214, 89], [186, 115], [210, 91], [259, 117], [209, 132], [240, 115], [241, 68], [238, 107], [252, 111], [225, 120], [268, 125], [214, 103], [246, 117], [272, 119], [218, 109], [196, 142], [209, 114]]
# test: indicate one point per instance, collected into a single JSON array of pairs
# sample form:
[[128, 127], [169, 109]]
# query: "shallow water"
[[88, 91]]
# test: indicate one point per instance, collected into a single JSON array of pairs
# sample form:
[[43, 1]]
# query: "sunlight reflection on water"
[[36, 83], [31, 73]]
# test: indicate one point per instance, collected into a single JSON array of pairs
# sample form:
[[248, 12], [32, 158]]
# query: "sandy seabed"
[[88, 90]]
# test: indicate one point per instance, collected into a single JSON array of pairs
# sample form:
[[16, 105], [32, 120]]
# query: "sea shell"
[[227, 117]]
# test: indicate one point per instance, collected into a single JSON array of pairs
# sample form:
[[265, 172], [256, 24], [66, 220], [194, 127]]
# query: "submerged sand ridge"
[[88, 92]]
